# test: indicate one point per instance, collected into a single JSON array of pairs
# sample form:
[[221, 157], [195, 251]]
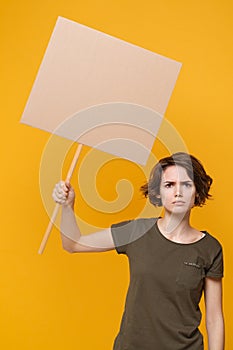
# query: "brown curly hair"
[[195, 171]]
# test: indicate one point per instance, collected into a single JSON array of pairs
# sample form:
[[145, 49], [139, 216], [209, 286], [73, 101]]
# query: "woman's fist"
[[63, 193]]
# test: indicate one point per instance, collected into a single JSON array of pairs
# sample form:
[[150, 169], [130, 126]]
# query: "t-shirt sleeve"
[[127, 232], [122, 235], [215, 269]]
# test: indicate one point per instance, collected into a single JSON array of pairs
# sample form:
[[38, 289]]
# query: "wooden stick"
[[56, 209]]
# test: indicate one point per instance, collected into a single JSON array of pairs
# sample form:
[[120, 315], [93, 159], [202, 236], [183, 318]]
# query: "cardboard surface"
[[89, 80]]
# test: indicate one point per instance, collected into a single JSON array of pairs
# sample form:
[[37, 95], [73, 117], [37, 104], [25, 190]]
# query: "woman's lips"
[[178, 202]]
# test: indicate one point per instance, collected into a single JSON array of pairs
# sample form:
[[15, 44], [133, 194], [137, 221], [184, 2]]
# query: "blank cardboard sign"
[[101, 91]]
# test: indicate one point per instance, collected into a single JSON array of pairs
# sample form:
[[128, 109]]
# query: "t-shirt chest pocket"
[[190, 273]]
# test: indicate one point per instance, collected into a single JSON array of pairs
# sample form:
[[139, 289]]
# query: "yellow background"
[[61, 301]]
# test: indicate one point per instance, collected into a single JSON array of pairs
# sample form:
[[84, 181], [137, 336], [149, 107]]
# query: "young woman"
[[171, 262]]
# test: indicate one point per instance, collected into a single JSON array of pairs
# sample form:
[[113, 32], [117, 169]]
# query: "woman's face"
[[177, 190]]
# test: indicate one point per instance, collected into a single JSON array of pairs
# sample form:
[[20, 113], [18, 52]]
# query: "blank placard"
[[101, 91]]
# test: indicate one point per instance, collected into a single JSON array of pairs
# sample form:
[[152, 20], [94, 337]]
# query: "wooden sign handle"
[[56, 209]]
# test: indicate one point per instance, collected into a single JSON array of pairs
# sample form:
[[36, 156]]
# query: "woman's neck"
[[175, 224], [177, 228]]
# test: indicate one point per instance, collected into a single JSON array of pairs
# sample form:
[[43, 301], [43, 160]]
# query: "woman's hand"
[[72, 239], [64, 194]]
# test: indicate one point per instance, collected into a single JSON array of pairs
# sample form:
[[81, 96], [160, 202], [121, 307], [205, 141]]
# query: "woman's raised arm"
[[72, 239]]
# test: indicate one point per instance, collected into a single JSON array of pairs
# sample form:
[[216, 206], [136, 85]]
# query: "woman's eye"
[[188, 184], [168, 185]]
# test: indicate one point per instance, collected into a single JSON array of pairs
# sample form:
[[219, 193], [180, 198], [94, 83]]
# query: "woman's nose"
[[178, 192]]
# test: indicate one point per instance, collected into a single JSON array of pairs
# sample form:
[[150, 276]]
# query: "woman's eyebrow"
[[182, 182]]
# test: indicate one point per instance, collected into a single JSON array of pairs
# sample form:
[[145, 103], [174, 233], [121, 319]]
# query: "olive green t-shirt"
[[166, 284]]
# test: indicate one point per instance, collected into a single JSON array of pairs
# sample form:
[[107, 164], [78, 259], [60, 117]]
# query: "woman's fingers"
[[62, 193]]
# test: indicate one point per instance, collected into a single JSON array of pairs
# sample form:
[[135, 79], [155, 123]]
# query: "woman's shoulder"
[[137, 222], [211, 241], [146, 220]]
